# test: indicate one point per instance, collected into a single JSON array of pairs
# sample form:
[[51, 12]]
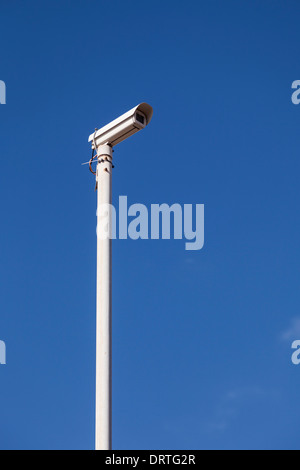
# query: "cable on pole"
[[93, 155]]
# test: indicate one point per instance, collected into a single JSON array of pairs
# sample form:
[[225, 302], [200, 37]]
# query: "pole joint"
[[104, 151]]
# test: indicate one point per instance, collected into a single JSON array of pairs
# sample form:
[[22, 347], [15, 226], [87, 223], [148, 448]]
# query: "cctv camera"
[[123, 127]]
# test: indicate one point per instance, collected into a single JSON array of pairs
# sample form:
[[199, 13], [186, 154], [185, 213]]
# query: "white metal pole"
[[104, 306]]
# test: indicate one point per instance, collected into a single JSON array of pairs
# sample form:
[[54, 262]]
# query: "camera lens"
[[140, 118]]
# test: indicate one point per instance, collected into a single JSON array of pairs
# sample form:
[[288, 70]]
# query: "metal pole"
[[104, 305]]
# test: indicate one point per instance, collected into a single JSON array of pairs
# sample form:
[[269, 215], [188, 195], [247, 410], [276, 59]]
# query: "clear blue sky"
[[201, 340]]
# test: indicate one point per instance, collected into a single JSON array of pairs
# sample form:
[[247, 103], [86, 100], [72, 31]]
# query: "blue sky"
[[201, 340]]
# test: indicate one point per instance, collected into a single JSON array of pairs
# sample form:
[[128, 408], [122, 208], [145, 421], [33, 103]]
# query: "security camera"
[[123, 127]]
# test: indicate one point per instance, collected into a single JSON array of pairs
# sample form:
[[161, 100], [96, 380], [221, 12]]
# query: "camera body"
[[123, 127]]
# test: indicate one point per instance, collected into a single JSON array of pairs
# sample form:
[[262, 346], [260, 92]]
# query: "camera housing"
[[123, 127]]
